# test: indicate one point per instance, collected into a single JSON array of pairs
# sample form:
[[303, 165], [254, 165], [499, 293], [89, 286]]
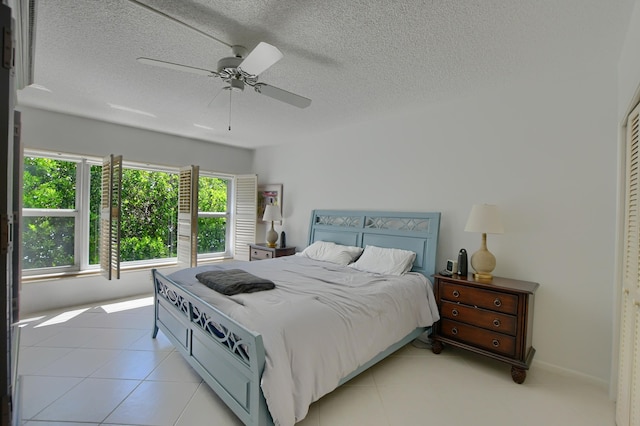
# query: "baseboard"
[[573, 373]]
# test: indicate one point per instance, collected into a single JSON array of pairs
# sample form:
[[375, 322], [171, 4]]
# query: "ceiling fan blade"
[[156, 11], [282, 95], [177, 67], [259, 59]]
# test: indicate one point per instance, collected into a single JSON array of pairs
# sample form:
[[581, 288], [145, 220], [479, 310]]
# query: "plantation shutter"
[[188, 216], [628, 400], [245, 215], [110, 217]]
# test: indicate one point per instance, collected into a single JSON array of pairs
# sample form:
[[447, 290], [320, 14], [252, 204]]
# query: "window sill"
[[123, 269]]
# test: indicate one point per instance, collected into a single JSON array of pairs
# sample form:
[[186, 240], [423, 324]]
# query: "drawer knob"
[[497, 302], [454, 330], [495, 343], [456, 293], [454, 312], [496, 322]]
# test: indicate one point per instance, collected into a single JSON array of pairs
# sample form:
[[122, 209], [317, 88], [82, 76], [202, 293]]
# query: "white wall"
[[542, 148], [71, 134], [51, 131], [629, 66], [53, 294]]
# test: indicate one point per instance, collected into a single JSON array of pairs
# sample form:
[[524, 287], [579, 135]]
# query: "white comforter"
[[320, 323]]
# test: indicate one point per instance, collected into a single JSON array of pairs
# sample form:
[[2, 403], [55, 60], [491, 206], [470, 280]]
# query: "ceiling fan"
[[241, 69]]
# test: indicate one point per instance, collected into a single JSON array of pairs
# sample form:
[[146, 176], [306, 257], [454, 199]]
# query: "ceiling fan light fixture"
[[236, 85]]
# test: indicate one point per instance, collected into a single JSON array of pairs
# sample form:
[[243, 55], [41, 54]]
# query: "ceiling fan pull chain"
[[230, 109]]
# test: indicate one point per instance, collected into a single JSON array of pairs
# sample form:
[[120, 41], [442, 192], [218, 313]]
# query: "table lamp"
[[484, 218], [271, 214]]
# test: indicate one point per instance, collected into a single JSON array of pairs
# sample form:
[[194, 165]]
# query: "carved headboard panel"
[[415, 231]]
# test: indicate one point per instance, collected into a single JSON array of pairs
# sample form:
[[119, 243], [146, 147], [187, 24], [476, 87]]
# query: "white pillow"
[[331, 252], [386, 261]]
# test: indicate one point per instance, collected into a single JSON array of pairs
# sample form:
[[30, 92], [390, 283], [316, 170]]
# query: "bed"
[[231, 349]]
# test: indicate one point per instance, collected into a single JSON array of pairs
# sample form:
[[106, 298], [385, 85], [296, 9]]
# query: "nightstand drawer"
[[501, 302], [490, 320], [261, 254], [495, 342], [262, 251]]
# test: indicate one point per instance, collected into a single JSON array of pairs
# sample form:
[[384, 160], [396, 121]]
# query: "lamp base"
[[483, 262], [478, 276], [272, 237]]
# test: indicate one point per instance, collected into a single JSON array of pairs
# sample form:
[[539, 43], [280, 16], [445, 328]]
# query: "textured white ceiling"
[[353, 58]]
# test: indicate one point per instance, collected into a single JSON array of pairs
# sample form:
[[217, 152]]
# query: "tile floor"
[[99, 365]]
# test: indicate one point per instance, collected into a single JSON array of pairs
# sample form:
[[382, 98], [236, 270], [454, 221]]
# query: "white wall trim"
[[602, 384]]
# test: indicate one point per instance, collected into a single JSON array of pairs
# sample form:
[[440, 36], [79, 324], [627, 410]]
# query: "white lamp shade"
[[271, 213], [484, 218]]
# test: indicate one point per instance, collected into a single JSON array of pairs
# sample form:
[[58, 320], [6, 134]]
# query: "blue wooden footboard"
[[227, 356]]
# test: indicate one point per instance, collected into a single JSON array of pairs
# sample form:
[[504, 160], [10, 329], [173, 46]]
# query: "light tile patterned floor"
[[99, 365]]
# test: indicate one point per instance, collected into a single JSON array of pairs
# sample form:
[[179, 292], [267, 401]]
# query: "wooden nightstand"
[[261, 251], [493, 318]]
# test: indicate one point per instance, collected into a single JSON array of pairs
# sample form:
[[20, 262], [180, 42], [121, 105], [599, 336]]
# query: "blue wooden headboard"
[[417, 232]]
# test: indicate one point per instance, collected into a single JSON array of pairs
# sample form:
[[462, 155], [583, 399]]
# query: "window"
[[149, 215], [213, 215], [61, 210], [50, 214]]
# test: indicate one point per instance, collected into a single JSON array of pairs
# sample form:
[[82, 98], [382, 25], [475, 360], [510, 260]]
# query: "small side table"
[[260, 251]]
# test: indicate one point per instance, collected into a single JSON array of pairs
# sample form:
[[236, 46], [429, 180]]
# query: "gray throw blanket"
[[234, 281]]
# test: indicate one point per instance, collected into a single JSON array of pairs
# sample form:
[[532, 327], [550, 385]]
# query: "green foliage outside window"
[[95, 182], [148, 216], [212, 197], [49, 184], [48, 241]]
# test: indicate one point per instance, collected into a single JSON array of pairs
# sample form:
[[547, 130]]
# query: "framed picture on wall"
[[269, 194]]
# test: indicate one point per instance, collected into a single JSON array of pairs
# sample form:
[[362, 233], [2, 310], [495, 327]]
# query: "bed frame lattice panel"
[[346, 221], [397, 223], [174, 298], [221, 334], [379, 222]]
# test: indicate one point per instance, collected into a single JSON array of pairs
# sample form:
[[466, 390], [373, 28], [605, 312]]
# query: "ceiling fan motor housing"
[[239, 51], [229, 72], [227, 64]]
